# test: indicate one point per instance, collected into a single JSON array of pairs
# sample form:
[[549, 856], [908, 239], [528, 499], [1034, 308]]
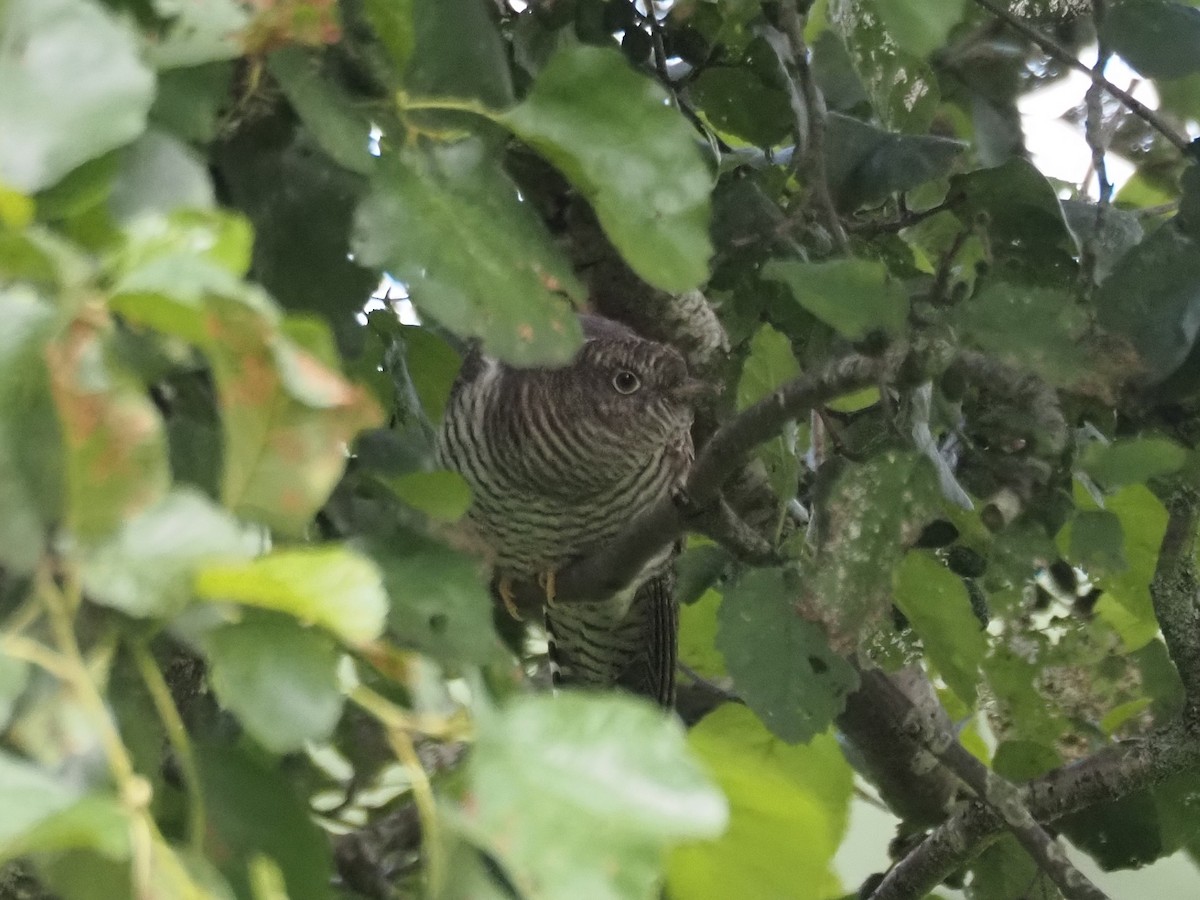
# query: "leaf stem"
[[177, 737]]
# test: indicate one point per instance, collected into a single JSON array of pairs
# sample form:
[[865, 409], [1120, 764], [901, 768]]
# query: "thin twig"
[[811, 128], [1054, 49], [1097, 141]]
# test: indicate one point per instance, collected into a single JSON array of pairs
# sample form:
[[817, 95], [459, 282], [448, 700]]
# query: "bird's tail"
[[591, 646]]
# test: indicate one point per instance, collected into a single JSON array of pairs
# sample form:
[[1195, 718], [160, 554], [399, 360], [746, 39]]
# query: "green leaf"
[[1126, 601], [443, 496], [116, 444], [920, 26], [770, 364], [253, 809], [605, 780], [1028, 327], [613, 134], [1110, 238], [31, 458], [95, 822], [327, 586], [392, 21], [339, 126], [1158, 38], [31, 795], [872, 513], [935, 602], [450, 225], [146, 567], [432, 365], [75, 87], [1120, 834], [278, 678], [780, 797], [439, 601], [781, 664], [737, 101], [457, 52], [1024, 760], [190, 101], [698, 636], [1132, 460], [1152, 298], [853, 296], [1096, 542]]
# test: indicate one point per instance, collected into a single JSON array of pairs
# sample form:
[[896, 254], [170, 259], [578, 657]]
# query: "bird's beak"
[[693, 389]]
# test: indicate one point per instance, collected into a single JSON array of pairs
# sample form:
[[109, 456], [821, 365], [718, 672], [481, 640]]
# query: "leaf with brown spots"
[[288, 414], [116, 448]]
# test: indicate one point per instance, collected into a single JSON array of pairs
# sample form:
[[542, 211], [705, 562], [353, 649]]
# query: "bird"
[[559, 460]]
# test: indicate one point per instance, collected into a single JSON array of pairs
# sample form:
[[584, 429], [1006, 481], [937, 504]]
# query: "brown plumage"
[[559, 460]]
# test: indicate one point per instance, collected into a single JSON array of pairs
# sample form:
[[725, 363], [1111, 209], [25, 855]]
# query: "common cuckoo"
[[558, 461]]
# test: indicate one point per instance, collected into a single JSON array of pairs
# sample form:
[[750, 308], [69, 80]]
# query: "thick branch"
[[1051, 47], [1002, 796], [1176, 593], [615, 566], [1112, 773]]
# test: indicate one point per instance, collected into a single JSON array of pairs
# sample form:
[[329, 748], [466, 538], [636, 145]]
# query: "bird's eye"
[[626, 382]]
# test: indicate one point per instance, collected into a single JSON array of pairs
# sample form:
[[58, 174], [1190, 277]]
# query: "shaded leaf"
[[439, 601], [158, 174], [606, 780], [253, 809], [443, 496], [935, 602], [457, 52], [199, 31], [450, 225], [780, 797], [340, 127], [327, 586], [95, 822], [920, 26], [1029, 327], [1152, 298], [635, 158], [14, 676], [853, 296], [392, 21], [1159, 38], [865, 165], [78, 59], [770, 364], [278, 678], [782, 665], [1097, 542]]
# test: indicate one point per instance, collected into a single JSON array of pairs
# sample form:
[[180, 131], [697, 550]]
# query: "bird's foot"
[[504, 587], [545, 581]]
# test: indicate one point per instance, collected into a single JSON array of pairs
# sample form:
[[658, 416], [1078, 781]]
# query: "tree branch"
[[1000, 795], [1052, 48], [615, 566], [1112, 773], [1175, 592]]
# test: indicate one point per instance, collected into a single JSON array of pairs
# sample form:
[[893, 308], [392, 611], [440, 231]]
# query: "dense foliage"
[[245, 649]]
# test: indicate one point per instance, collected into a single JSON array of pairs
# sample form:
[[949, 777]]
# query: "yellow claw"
[[505, 588], [546, 583]]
